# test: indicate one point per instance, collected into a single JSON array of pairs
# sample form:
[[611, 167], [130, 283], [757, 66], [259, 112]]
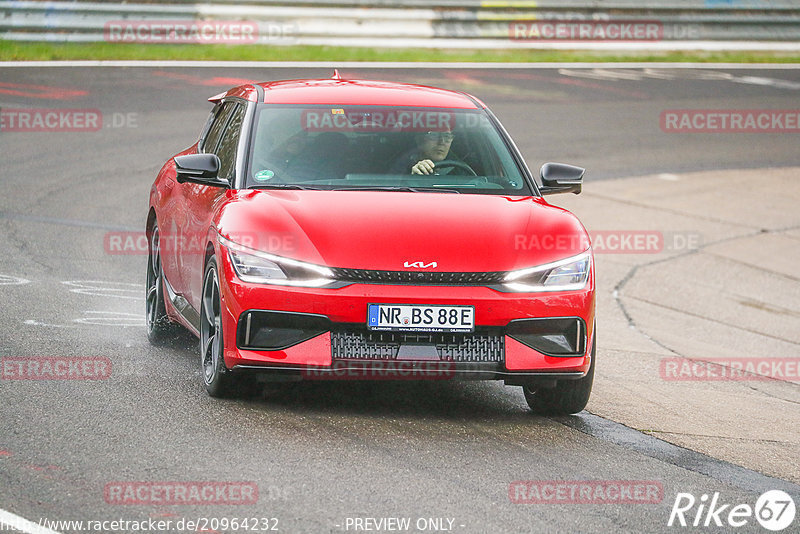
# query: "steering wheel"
[[452, 163]]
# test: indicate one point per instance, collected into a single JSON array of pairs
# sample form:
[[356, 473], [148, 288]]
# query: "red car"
[[324, 229]]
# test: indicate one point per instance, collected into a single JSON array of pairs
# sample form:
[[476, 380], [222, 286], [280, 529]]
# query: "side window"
[[229, 142], [221, 113], [207, 126]]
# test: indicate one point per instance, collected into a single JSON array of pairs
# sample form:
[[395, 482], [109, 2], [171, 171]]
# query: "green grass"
[[40, 51]]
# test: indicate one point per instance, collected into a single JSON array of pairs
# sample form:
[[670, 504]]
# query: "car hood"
[[400, 231]]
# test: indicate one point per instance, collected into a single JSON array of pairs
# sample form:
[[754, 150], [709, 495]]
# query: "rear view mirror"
[[199, 169], [561, 178]]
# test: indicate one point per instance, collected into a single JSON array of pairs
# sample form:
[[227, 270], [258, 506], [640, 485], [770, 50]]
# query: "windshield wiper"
[[436, 190], [284, 186], [399, 188]]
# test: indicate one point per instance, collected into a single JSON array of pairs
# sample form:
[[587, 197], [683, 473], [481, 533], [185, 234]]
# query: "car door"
[[174, 216], [200, 200]]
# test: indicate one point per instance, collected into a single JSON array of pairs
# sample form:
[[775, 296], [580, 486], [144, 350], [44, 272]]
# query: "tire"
[[567, 397], [218, 379], [160, 329]]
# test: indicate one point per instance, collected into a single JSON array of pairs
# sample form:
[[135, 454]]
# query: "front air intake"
[[565, 336], [275, 330]]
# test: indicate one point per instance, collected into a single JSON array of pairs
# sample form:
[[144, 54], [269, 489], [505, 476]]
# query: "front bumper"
[[331, 340]]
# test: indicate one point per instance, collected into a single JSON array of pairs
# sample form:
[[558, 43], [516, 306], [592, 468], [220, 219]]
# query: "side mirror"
[[200, 169], [561, 178]]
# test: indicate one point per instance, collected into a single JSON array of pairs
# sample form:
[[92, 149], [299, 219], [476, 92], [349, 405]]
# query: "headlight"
[[568, 274], [259, 267]]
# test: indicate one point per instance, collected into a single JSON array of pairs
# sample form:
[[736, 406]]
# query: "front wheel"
[[219, 381], [567, 397], [159, 328]]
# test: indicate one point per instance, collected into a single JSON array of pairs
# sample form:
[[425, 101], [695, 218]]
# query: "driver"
[[291, 152], [431, 147]]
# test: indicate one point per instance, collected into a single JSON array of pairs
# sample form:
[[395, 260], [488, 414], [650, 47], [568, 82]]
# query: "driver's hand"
[[423, 167]]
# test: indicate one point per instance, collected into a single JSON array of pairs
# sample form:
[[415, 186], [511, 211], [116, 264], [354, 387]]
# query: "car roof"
[[353, 92]]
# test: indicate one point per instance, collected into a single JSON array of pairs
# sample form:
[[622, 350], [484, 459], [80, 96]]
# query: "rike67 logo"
[[774, 510]]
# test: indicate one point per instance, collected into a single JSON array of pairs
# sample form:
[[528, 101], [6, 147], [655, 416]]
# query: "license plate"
[[420, 318]]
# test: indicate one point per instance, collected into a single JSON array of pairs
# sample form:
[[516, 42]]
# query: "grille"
[[417, 277], [366, 345]]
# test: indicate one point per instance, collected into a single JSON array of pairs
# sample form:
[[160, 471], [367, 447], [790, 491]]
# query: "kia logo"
[[420, 265]]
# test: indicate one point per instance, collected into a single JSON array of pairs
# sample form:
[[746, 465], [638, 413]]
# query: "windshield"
[[381, 148]]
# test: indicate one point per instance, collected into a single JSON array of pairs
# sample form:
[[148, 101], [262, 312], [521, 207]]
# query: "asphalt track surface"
[[328, 452]]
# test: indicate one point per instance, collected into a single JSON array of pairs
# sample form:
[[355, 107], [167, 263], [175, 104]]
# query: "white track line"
[[23, 525], [395, 65]]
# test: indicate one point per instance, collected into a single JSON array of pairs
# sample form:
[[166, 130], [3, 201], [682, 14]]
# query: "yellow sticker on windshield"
[[337, 112]]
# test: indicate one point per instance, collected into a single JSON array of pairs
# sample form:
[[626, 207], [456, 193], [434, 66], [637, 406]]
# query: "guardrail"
[[439, 23]]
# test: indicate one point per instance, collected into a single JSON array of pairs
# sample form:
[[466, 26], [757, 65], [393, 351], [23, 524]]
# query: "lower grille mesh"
[[366, 345]]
